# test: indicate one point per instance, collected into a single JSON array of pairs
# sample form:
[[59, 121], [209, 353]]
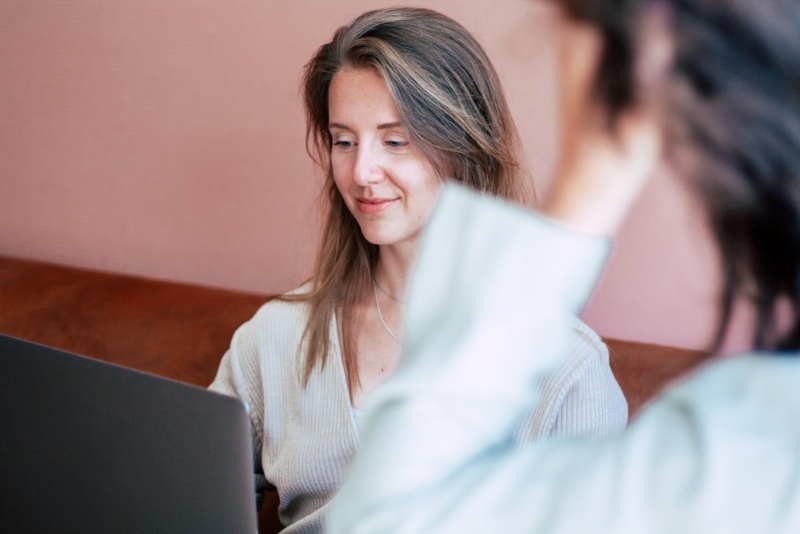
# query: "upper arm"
[[239, 375]]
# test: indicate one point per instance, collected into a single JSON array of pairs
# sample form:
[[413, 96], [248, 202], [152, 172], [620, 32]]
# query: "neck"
[[394, 268]]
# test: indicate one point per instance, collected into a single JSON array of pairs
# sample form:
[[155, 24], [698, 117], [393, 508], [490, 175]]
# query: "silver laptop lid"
[[90, 447]]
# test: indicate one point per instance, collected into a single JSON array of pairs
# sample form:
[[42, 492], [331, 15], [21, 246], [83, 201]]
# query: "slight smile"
[[371, 206]]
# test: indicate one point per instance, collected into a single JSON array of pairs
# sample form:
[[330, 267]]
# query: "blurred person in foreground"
[[711, 89]]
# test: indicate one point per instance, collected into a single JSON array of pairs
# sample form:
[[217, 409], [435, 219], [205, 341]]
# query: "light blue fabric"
[[495, 285]]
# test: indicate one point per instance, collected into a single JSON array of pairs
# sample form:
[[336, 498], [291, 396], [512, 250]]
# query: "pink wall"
[[165, 139]]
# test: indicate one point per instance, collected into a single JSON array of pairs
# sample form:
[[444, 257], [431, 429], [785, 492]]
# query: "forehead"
[[360, 97]]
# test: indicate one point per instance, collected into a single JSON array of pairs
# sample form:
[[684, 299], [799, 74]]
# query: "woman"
[[399, 101], [718, 83]]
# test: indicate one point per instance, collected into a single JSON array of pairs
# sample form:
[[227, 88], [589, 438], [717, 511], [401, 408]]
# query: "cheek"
[[432, 196], [341, 172], [424, 190]]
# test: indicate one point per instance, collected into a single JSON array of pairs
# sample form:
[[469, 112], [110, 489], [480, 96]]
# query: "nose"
[[368, 169]]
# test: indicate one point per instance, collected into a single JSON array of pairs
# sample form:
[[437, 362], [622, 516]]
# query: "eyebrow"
[[385, 126]]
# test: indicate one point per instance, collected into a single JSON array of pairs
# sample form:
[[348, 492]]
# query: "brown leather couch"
[[181, 331]]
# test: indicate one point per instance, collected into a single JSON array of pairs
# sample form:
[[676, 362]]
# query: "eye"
[[343, 144], [394, 143]]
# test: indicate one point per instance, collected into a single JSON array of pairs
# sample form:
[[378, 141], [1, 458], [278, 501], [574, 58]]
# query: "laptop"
[[89, 447]]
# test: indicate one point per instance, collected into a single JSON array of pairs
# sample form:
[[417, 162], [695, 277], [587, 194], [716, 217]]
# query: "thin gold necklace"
[[386, 293], [380, 315]]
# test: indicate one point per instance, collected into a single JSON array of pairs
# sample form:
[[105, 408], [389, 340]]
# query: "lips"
[[371, 206]]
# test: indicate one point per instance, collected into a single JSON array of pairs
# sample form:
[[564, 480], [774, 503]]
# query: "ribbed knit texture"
[[305, 437]]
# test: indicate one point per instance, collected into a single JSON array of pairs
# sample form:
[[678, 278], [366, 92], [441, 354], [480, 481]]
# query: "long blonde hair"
[[452, 107]]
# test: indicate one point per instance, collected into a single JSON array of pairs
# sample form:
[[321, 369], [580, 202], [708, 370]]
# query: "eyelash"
[[391, 144]]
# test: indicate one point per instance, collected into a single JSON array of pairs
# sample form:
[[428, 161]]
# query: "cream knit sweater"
[[304, 438]]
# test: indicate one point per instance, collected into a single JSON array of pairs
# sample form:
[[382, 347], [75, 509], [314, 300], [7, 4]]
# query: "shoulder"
[[731, 379], [585, 360], [579, 396], [284, 311], [733, 410], [587, 367], [304, 289], [585, 347], [276, 328], [585, 373]]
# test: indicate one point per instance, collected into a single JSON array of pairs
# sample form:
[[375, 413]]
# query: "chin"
[[379, 238]]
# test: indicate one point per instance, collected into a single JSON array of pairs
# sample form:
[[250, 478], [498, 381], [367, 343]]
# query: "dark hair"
[[450, 101], [733, 101]]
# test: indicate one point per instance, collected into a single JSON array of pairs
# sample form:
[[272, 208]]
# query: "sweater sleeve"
[[593, 403], [239, 375], [580, 397]]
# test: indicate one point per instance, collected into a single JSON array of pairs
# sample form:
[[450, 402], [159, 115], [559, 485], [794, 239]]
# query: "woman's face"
[[387, 183]]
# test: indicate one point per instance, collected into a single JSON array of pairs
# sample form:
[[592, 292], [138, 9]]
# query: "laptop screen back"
[[87, 446]]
